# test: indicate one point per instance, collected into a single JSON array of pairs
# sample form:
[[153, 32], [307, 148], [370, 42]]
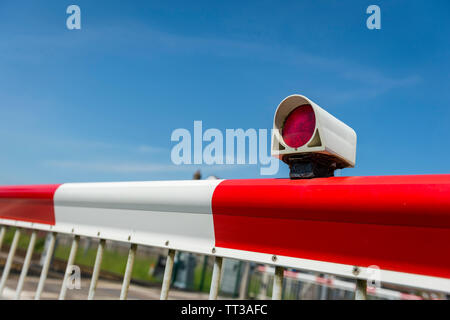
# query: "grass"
[[113, 261], [254, 286], [24, 240]]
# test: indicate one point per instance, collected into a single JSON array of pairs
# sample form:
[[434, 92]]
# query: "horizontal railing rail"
[[390, 229]]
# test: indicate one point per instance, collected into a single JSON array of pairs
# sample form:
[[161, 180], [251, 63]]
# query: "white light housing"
[[328, 137]]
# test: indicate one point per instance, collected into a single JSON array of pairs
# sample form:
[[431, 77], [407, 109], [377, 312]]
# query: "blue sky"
[[100, 103]]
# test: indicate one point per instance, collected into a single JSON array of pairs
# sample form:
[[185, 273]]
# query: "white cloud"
[[142, 40]]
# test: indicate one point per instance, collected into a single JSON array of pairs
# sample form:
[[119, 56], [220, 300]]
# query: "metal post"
[[215, 281], [128, 271], [70, 261], [361, 289], [26, 265], [9, 260], [277, 290], [96, 272], [167, 275], [2, 235], [324, 289], [45, 267], [244, 282]]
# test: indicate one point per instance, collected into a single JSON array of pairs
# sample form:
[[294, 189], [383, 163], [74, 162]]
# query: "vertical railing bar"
[[46, 266], [2, 235], [9, 260], [128, 272], [277, 290], [97, 267], [244, 281], [167, 275], [324, 288], [361, 289], [26, 265], [215, 281], [70, 261]]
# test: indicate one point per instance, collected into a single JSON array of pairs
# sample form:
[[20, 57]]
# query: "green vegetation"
[[23, 240], [253, 287], [113, 261]]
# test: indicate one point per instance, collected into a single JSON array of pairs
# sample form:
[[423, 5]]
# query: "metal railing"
[[215, 281], [96, 268]]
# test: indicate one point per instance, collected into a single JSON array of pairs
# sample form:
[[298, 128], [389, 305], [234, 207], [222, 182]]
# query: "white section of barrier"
[[171, 214]]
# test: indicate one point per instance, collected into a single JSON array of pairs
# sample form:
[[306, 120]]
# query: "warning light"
[[310, 140], [299, 126]]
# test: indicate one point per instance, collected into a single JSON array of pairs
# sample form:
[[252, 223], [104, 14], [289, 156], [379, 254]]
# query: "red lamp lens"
[[299, 126]]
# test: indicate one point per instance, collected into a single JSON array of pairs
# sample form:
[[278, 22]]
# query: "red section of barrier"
[[399, 223], [28, 203]]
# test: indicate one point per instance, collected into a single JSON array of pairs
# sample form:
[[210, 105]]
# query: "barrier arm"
[[339, 225]]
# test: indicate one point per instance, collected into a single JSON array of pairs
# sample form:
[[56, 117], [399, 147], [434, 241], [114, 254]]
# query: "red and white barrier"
[[332, 225]]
